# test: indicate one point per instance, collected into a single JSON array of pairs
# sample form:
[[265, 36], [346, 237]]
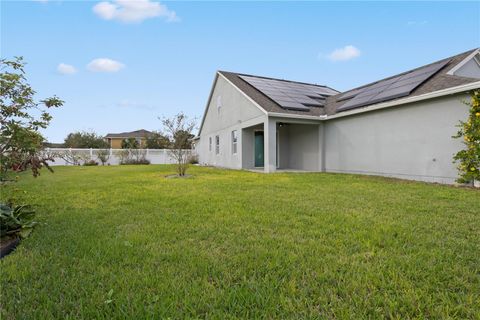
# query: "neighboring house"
[[400, 126], [115, 139]]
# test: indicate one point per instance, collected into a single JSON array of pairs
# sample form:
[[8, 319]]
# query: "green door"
[[259, 149]]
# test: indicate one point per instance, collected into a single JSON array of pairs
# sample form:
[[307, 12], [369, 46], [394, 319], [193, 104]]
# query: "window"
[[210, 144], [217, 144], [219, 104], [234, 141]]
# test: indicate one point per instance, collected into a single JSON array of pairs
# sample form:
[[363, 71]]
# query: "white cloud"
[[105, 65], [133, 10], [344, 54], [64, 68]]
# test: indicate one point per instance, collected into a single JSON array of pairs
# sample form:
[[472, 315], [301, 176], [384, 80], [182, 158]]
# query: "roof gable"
[[469, 67], [212, 90]]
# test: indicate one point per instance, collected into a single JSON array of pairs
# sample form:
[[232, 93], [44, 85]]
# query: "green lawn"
[[234, 244]]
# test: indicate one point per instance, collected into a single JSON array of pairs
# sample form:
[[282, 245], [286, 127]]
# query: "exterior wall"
[[236, 112], [411, 141], [116, 143], [299, 147]]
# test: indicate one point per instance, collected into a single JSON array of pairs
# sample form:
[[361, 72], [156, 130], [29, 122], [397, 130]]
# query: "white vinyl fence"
[[64, 156]]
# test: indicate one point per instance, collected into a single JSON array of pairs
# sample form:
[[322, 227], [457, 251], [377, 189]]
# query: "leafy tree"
[[184, 139], [84, 139], [469, 158], [130, 143], [21, 118], [178, 130], [156, 140]]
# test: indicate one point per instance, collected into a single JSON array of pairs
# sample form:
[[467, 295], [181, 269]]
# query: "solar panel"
[[389, 89], [349, 94], [291, 95]]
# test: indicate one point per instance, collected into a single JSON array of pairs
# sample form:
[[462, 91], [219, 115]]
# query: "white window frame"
[[210, 144], [234, 137], [217, 144]]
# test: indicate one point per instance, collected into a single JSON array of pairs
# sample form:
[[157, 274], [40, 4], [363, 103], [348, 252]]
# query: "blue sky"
[[162, 57]]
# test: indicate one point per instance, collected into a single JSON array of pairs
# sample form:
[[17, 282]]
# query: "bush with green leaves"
[[16, 220], [21, 119], [84, 139], [130, 143], [469, 131], [21, 144]]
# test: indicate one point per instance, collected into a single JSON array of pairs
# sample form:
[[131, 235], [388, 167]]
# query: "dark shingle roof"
[[440, 80], [132, 134], [265, 102]]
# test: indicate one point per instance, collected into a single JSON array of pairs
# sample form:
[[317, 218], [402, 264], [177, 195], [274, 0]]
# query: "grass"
[[125, 242]]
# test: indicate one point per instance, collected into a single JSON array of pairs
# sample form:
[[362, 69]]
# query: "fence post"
[[110, 152], [147, 153], [91, 153]]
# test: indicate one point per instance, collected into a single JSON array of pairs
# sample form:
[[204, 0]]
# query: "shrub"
[[178, 130], [16, 220], [123, 155], [133, 156], [91, 163], [130, 143], [469, 158], [103, 155], [134, 161], [70, 157], [193, 159]]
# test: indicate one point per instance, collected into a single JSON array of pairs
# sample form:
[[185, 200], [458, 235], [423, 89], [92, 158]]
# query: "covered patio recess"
[[283, 144]]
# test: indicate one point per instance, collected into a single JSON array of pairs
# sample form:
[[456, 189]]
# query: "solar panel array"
[[389, 89], [291, 95]]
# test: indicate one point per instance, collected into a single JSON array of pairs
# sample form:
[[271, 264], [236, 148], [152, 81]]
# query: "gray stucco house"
[[401, 126]]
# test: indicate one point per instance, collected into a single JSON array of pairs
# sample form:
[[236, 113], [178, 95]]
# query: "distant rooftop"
[[132, 134]]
